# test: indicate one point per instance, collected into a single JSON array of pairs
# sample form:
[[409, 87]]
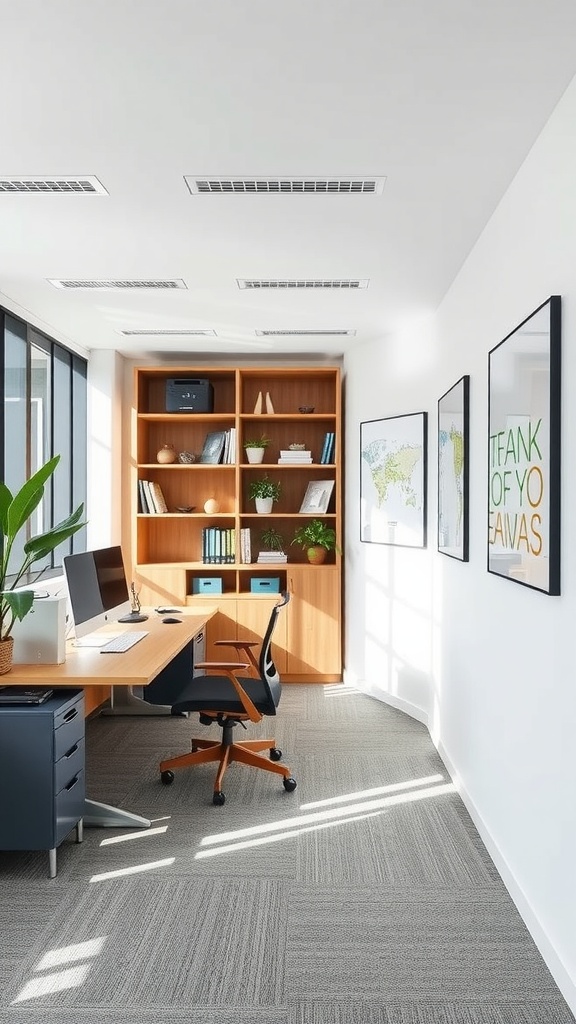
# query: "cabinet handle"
[[72, 783], [70, 714], [72, 750]]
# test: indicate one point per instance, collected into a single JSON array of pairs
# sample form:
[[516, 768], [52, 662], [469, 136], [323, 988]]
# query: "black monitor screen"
[[111, 578], [96, 586]]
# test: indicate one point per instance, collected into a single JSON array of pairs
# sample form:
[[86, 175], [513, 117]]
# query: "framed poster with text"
[[393, 470], [524, 451]]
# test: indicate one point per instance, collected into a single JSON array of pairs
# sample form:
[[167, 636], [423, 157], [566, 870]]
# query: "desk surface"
[[86, 666]]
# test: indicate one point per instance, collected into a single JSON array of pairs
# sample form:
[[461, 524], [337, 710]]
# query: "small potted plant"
[[272, 540], [255, 448], [317, 539], [265, 492], [15, 512]]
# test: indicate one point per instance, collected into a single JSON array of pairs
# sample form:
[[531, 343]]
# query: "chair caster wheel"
[[289, 785], [218, 799], [167, 777], [275, 754]]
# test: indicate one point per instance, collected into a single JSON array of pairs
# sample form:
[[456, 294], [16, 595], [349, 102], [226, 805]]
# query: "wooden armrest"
[[234, 665], [229, 668], [236, 643]]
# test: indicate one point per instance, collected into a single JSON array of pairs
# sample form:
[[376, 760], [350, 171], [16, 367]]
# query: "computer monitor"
[[98, 589]]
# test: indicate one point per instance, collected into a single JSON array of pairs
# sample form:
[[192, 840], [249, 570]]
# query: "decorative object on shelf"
[[524, 436], [213, 447], [258, 406], [186, 458], [317, 539], [269, 406], [317, 496], [166, 455], [272, 540], [211, 506], [297, 447], [305, 409], [185, 508], [453, 470], [255, 449], [265, 492], [15, 512], [394, 450]]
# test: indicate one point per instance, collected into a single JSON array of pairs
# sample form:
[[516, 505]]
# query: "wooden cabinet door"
[[314, 646], [221, 626], [253, 615]]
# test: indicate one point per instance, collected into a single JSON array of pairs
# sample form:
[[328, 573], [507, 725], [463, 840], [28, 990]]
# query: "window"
[[43, 386]]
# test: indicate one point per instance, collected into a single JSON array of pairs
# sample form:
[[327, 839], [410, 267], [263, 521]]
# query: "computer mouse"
[[171, 620]]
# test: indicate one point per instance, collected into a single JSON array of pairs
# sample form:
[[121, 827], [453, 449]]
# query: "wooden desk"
[[87, 667]]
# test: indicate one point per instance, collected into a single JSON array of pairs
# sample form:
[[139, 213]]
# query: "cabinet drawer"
[[69, 765], [69, 730], [68, 807]]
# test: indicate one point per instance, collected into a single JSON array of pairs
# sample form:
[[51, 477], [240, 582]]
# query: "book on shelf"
[[150, 506], [296, 453], [295, 462], [245, 546], [158, 497], [213, 447], [271, 557], [327, 448]]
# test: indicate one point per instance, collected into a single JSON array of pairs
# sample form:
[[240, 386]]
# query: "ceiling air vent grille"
[[315, 334], [171, 333], [30, 184], [285, 186], [110, 285], [302, 283]]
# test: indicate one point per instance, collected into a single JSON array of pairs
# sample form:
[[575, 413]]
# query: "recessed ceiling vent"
[[285, 186], [171, 333], [302, 283], [29, 184], [106, 285], [298, 334]]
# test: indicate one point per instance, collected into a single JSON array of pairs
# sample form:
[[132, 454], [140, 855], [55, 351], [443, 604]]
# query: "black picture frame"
[[454, 470], [524, 456], [393, 480]]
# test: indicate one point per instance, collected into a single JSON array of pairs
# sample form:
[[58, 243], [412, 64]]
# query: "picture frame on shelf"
[[453, 470], [393, 480], [317, 497], [524, 435]]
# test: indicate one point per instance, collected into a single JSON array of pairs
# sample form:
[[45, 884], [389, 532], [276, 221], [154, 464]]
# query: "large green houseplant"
[[317, 538], [15, 512]]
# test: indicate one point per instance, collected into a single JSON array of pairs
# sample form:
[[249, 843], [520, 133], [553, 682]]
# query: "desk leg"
[[125, 702], [99, 815]]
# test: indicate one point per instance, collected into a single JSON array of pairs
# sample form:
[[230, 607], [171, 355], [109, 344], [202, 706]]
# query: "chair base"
[[204, 751]]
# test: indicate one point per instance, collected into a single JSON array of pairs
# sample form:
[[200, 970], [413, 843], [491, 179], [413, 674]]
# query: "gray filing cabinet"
[[42, 773]]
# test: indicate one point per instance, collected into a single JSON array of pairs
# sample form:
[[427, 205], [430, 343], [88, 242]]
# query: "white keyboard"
[[123, 642]]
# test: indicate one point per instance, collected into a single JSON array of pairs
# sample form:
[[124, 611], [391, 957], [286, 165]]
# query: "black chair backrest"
[[268, 671]]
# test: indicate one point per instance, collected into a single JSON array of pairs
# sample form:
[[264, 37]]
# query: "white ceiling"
[[444, 99]]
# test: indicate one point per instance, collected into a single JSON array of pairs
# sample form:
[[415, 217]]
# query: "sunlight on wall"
[[69, 977]]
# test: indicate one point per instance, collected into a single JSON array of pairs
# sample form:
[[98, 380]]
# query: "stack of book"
[[271, 557], [294, 457], [218, 545], [327, 455]]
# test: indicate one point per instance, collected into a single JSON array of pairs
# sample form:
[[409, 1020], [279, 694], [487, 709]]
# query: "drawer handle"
[[71, 751], [70, 714], [72, 783]]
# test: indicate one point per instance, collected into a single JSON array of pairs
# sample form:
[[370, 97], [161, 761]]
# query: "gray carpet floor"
[[364, 897]]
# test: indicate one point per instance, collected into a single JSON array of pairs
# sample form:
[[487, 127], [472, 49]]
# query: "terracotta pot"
[[6, 653], [316, 555]]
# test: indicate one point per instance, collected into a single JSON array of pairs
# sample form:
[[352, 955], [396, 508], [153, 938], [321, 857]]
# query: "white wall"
[[488, 664]]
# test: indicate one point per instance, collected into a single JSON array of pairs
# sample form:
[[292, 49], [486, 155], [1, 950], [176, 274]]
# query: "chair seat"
[[204, 692]]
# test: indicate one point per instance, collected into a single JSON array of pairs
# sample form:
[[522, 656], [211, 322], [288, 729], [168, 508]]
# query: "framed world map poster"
[[453, 466], [393, 475], [524, 452]]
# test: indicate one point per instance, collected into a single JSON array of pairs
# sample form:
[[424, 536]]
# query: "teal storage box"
[[207, 585], [265, 585]]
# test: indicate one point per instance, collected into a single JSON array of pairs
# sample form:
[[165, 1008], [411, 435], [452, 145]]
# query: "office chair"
[[231, 699]]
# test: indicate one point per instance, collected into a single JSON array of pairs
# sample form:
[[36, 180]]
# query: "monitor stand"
[[133, 617]]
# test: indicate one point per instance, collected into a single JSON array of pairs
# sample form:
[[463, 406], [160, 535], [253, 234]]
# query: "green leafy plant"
[[257, 442], [316, 534], [272, 540], [264, 488], [15, 511]]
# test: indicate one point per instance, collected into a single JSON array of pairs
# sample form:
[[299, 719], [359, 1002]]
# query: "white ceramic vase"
[[254, 455], [264, 505]]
